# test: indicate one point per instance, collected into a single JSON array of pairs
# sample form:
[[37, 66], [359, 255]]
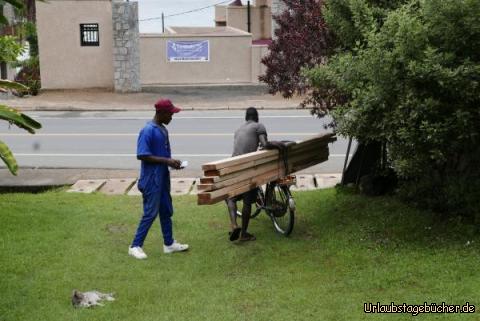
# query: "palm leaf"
[[12, 85], [7, 157], [21, 120]]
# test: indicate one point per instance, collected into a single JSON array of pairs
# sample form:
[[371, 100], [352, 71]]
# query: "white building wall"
[[63, 62]]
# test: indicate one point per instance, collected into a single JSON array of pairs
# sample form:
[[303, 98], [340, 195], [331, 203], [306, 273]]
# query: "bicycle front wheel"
[[281, 209]]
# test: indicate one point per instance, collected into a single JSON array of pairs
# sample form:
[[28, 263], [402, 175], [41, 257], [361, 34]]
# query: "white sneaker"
[[175, 247], [137, 252]]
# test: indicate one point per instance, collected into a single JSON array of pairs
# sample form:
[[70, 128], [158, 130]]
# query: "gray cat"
[[90, 299]]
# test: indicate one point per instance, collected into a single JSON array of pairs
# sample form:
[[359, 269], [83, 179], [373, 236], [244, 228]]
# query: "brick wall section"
[[126, 47]]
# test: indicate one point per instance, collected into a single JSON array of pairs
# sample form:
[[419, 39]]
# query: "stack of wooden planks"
[[236, 175]]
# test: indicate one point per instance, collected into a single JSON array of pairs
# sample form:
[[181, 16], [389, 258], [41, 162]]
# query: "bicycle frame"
[[265, 195], [278, 204]]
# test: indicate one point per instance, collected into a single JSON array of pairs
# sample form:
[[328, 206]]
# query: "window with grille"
[[89, 35]]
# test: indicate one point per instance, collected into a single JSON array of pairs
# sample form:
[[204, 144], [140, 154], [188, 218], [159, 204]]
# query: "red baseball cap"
[[166, 105]]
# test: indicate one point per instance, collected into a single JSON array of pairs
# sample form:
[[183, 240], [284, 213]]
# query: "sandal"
[[247, 237], [234, 234]]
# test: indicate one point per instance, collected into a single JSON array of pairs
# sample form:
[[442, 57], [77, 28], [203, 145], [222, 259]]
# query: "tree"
[[413, 82], [17, 118], [30, 10], [302, 40], [9, 51]]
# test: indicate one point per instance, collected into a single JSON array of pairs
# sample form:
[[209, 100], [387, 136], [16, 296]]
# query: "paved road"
[[108, 139]]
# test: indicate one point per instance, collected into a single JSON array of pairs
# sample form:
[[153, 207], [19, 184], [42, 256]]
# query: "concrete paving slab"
[[194, 190], [117, 186], [304, 183], [327, 180], [87, 186], [181, 186], [134, 191]]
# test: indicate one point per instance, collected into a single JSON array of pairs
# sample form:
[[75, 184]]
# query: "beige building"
[[255, 19], [85, 44], [65, 60]]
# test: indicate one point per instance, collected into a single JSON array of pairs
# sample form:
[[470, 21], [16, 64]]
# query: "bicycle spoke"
[[281, 214]]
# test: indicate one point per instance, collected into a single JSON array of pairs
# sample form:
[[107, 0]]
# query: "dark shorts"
[[249, 197]]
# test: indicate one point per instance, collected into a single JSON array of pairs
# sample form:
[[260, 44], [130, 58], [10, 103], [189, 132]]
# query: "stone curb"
[[125, 109], [185, 186]]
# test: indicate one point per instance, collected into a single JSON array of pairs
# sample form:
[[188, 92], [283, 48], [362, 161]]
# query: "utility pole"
[[163, 23], [249, 21]]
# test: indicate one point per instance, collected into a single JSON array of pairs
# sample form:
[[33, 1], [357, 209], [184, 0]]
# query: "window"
[[89, 34]]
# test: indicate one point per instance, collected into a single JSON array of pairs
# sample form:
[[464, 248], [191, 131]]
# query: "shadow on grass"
[[383, 221], [31, 189]]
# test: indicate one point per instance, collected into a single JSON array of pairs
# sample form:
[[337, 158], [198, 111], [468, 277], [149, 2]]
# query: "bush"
[[414, 84], [10, 48], [29, 75]]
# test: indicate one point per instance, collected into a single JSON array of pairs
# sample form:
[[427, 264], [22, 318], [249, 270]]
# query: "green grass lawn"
[[345, 250]]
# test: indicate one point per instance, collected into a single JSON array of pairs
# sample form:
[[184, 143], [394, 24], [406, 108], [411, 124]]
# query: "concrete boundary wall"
[[126, 60], [230, 59], [258, 69]]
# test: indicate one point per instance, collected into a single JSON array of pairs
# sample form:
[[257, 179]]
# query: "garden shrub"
[[413, 82]]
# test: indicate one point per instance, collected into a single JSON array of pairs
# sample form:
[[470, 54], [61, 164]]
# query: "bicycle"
[[278, 204]]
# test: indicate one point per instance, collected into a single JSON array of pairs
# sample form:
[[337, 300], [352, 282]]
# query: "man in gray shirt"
[[246, 140]]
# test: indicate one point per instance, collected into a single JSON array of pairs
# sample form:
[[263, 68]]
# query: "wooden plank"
[[323, 139], [239, 179], [241, 159], [237, 160], [298, 161], [246, 172], [309, 163], [235, 170], [240, 167], [206, 198], [211, 198], [208, 180], [251, 182], [230, 177], [302, 148]]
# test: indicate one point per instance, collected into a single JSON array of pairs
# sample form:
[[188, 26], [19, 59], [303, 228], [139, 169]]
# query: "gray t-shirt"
[[246, 138]]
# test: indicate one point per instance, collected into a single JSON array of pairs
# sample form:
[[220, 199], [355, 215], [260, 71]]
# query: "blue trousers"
[[155, 203]]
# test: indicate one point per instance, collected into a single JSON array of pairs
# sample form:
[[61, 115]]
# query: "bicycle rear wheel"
[[281, 209]]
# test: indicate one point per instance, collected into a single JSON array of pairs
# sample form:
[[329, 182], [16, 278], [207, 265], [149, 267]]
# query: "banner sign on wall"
[[187, 51]]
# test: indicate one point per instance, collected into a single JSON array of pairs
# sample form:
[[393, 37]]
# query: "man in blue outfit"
[[153, 149]]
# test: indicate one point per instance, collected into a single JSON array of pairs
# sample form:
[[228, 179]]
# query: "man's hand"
[[174, 163]]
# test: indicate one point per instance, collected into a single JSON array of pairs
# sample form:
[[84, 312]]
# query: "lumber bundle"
[[236, 175]]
